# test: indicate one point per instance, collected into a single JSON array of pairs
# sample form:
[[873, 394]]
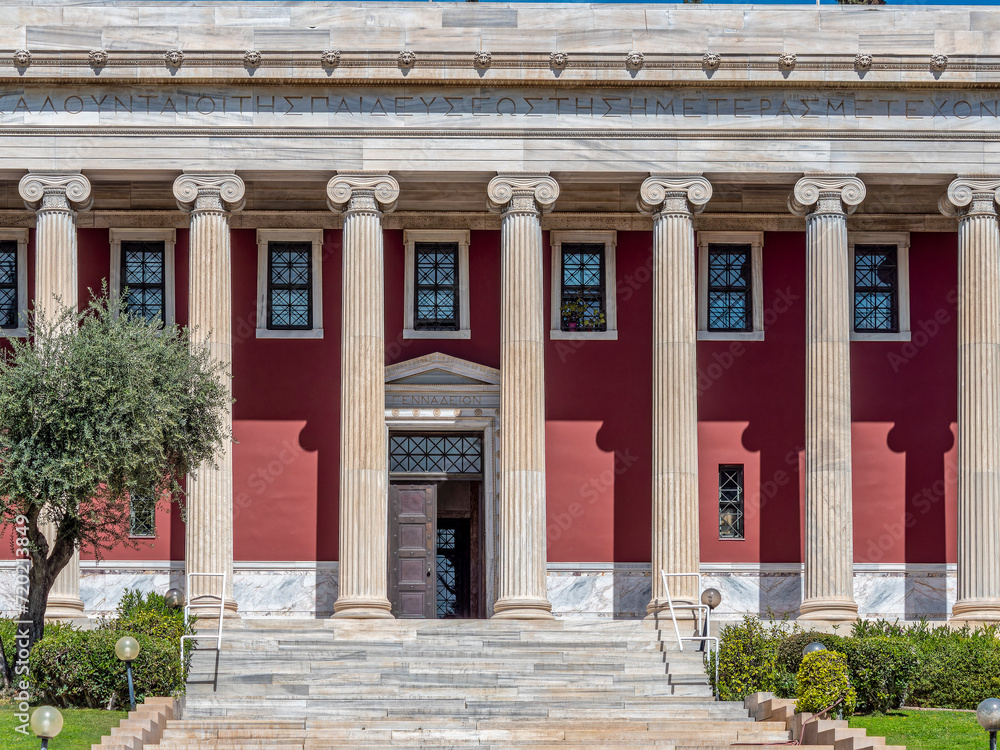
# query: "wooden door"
[[413, 550]]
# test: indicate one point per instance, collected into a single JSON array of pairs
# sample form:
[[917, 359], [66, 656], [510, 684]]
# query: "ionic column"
[[974, 200], [826, 200], [210, 197], [56, 197], [364, 198], [673, 200], [521, 198]]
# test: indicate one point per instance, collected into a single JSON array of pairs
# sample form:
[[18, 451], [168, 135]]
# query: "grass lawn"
[[926, 730], [81, 729]]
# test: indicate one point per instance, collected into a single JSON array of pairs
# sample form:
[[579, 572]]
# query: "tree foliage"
[[97, 407]]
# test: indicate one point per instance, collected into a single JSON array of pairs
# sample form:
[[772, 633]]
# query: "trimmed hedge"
[[747, 657], [824, 679], [882, 671]]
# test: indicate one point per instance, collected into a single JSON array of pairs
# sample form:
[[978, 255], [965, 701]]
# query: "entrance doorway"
[[436, 526]]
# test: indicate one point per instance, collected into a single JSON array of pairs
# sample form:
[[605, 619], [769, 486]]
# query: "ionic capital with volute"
[[826, 194], [970, 195], [522, 192], [674, 194], [46, 190], [371, 192], [215, 192]]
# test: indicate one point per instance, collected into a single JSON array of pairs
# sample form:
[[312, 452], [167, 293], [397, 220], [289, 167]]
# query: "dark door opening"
[[435, 549]]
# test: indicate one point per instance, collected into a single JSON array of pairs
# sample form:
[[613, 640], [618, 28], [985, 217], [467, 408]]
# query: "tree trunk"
[[44, 569]]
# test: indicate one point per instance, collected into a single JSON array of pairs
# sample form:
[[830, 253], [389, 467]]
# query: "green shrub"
[[79, 668], [882, 672], [823, 679], [147, 614], [747, 658], [958, 672], [785, 683], [790, 649]]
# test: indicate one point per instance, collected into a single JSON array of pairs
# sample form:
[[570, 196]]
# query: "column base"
[[659, 609], [361, 608], [64, 608], [829, 609], [207, 608], [527, 608], [976, 610]]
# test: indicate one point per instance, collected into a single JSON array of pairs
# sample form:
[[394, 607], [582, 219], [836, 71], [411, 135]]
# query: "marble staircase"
[[455, 684]]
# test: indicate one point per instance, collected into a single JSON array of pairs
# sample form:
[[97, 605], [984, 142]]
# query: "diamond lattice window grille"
[[876, 289], [583, 301], [289, 286], [143, 279], [731, 502], [435, 286], [142, 512], [436, 454], [447, 573], [8, 284], [729, 288]]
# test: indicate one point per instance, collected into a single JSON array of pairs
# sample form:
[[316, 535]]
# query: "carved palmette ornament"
[[252, 58], [98, 57], [22, 58]]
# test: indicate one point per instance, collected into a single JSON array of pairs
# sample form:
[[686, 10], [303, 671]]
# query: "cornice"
[[505, 68]]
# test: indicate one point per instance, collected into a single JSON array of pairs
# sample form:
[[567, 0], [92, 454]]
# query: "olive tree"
[[97, 407]]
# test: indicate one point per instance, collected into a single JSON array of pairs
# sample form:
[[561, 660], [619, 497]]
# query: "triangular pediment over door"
[[441, 369]]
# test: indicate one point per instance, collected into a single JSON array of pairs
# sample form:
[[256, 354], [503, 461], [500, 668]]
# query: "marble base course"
[[576, 590]]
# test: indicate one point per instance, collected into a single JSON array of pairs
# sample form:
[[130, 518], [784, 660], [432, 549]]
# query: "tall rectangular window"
[[876, 289], [730, 304], [289, 286], [583, 305], [142, 521], [143, 279], [731, 501], [435, 286], [9, 303]]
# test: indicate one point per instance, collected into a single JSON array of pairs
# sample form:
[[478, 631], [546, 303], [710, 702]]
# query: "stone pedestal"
[[209, 197], [673, 201], [826, 200], [521, 198], [974, 201], [56, 197], [364, 198]]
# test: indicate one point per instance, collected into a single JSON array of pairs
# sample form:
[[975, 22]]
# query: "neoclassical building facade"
[[526, 303]]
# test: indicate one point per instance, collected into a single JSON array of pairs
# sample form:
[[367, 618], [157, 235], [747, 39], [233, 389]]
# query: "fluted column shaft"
[[829, 533], [520, 199], [673, 199], [56, 197], [209, 197], [975, 201], [363, 572]]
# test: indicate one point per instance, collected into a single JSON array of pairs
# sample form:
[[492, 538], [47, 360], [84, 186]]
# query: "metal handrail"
[[204, 605], [707, 640]]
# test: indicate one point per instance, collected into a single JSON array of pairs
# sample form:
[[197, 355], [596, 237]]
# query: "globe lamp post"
[[988, 714], [126, 649], [46, 723]]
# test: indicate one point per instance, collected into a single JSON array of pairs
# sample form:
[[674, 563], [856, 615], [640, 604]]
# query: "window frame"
[[315, 238], [742, 510], [608, 238], [20, 236], [756, 242], [169, 239], [131, 520], [442, 248], [902, 242], [410, 239]]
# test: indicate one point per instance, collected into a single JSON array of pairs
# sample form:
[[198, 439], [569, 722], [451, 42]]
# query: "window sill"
[[730, 335], [142, 536], [13, 333], [266, 333], [900, 336], [560, 335], [410, 333]]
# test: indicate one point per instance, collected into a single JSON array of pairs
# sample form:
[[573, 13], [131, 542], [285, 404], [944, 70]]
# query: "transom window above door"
[[454, 455], [436, 297]]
